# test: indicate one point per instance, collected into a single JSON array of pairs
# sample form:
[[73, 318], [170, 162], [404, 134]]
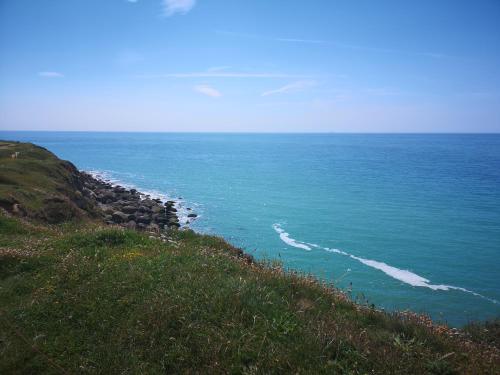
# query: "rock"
[[119, 217], [132, 217], [108, 210], [172, 209], [161, 220], [157, 209], [148, 203], [129, 209], [143, 219], [192, 215], [153, 227], [143, 209], [109, 197], [125, 196], [131, 224]]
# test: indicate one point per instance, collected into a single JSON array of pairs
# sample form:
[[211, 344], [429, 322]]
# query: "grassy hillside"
[[39, 185], [83, 297]]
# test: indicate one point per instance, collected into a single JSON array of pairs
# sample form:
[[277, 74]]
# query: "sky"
[[250, 66]]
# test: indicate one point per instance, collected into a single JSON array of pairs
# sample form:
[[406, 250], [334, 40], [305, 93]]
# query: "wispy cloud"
[[50, 74], [171, 7], [132, 1], [222, 74], [291, 87], [331, 43], [208, 90]]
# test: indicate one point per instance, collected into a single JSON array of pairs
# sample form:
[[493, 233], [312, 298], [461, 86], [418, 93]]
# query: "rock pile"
[[130, 208]]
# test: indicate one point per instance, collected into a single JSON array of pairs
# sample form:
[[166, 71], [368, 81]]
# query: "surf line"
[[405, 276]]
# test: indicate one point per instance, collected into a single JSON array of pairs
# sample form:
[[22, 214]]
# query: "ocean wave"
[[402, 275], [180, 204], [285, 237]]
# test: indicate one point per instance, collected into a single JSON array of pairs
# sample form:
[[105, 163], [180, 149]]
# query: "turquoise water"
[[411, 221]]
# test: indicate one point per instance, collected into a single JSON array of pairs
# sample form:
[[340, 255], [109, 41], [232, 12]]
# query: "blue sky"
[[250, 66]]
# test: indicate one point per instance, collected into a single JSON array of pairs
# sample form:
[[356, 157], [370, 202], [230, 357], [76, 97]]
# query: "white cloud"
[[207, 90], [291, 87], [132, 1], [170, 7], [50, 74]]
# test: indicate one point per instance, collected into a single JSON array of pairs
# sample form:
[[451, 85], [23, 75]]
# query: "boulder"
[[148, 203], [161, 220], [108, 210], [153, 227], [192, 215], [157, 209], [143, 209], [131, 224], [129, 209], [109, 197], [143, 219], [119, 217]]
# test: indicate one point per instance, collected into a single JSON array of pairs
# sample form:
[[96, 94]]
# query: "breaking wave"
[[402, 275]]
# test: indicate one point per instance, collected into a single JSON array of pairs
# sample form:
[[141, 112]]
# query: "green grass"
[[34, 178], [90, 299]]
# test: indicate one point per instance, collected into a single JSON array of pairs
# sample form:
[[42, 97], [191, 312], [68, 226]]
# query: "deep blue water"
[[412, 221]]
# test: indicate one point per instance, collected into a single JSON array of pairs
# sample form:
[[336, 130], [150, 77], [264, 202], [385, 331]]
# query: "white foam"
[[335, 251], [405, 276], [285, 237]]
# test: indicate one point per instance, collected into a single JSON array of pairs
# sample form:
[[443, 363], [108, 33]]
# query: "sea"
[[401, 221]]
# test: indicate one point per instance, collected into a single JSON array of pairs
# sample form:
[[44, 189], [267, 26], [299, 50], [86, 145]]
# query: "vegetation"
[[40, 185], [82, 297]]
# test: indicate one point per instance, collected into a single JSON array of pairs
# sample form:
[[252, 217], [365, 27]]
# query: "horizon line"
[[249, 132]]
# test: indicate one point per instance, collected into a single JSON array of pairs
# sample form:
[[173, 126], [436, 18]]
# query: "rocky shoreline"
[[130, 208]]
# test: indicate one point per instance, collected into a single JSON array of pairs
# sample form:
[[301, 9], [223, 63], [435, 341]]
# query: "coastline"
[[131, 208], [163, 284]]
